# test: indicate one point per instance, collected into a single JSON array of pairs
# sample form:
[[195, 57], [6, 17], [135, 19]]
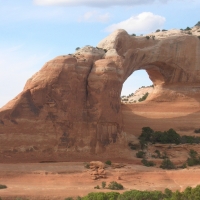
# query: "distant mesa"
[[71, 109]]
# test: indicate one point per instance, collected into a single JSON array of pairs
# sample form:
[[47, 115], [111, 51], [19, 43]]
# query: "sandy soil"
[[49, 181]]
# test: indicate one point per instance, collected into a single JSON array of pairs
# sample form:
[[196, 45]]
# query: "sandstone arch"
[[72, 106]]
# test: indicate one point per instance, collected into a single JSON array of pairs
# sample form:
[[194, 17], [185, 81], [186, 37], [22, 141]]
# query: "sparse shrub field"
[[188, 194], [148, 135]]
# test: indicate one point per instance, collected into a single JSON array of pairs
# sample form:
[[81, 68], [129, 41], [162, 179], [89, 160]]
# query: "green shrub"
[[77, 48], [132, 146], [146, 133], [188, 29], [164, 30], [144, 97], [193, 159], [95, 196], [115, 186], [3, 186], [147, 37], [112, 195], [140, 154], [193, 153], [97, 187], [87, 165], [103, 184], [166, 137], [183, 166], [167, 164], [101, 196], [141, 195], [158, 30], [190, 139], [197, 130], [108, 162], [147, 163], [69, 198], [176, 196], [188, 194], [168, 193], [133, 34]]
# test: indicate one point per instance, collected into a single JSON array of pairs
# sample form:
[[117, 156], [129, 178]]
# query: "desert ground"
[[49, 181], [58, 180]]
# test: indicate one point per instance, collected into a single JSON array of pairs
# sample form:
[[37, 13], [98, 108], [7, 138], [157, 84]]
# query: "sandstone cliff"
[[71, 109]]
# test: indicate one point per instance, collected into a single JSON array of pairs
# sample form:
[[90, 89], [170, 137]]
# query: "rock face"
[[71, 108], [97, 170]]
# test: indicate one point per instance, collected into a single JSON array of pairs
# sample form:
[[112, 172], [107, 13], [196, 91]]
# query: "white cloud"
[[16, 66], [143, 23], [94, 16], [96, 3]]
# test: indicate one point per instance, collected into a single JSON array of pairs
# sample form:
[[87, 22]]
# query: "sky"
[[35, 31]]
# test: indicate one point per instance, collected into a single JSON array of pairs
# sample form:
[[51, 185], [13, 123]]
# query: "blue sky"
[[35, 31]]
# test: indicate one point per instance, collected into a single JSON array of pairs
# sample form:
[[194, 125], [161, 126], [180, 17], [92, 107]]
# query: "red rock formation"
[[71, 108]]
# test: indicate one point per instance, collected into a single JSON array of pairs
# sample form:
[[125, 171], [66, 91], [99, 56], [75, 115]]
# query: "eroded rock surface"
[[71, 108]]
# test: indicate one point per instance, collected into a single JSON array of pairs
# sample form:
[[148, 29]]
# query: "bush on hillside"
[[166, 137], [103, 184], [144, 97], [147, 163], [132, 146], [115, 186], [188, 29], [167, 164], [140, 154], [108, 162], [193, 159]]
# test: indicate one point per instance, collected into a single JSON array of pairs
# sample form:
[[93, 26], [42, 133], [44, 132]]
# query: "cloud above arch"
[[143, 23], [96, 3]]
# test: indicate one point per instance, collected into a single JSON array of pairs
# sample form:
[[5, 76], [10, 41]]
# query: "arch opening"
[[141, 83], [136, 86]]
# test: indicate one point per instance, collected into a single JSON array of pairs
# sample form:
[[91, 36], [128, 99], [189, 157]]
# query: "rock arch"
[[72, 105]]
